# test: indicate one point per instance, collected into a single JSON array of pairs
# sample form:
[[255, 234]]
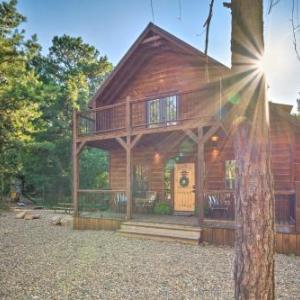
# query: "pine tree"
[[254, 246]]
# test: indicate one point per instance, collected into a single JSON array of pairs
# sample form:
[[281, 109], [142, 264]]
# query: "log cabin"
[[160, 117]]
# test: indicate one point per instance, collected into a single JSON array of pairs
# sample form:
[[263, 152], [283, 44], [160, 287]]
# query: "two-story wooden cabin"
[[159, 115]]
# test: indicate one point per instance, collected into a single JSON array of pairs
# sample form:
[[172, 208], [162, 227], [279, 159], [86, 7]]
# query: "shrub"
[[3, 204], [162, 208]]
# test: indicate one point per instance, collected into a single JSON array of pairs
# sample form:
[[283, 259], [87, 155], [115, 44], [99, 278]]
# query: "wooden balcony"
[[166, 112]]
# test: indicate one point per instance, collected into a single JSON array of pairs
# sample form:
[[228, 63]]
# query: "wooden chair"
[[146, 203], [120, 200], [216, 206]]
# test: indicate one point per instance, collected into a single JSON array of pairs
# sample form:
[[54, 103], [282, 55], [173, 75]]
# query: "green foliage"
[[162, 208], [3, 204], [37, 95], [93, 169], [19, 85]]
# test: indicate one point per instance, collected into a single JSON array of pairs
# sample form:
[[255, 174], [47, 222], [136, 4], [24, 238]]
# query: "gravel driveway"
[[42, 261]]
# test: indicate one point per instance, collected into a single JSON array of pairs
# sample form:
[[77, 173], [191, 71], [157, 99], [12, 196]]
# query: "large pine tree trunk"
[[254, 246]]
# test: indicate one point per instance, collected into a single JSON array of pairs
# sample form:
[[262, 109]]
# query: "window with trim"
[[162, 111], [230, 174]]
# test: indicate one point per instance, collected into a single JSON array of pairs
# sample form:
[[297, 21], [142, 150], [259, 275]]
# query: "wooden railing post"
[[297, 206], [128, 116], [129, 180], [220, 98], [200, 175], [75, 163], [128, 161]]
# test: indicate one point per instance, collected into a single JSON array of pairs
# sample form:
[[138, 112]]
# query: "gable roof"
[[281, 106], [154, 29], [284, 111]]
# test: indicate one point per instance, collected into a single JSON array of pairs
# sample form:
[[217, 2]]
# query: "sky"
[[113, 25]]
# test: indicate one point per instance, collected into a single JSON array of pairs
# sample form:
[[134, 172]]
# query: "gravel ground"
[[42, 261]]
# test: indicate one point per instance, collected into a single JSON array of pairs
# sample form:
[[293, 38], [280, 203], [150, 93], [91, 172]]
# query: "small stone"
[[56, 220], [67, 221], [21, 215], [28, 217]]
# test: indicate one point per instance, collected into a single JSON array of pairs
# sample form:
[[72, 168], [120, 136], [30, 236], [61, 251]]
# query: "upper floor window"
[[162, 111], [230, 174]]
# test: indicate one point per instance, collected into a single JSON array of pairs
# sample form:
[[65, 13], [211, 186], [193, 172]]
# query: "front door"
[[184, 185]]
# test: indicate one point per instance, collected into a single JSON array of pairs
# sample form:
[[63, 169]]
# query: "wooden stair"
[[162, 232]]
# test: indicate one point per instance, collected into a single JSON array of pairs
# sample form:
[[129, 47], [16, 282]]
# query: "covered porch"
[[158, 174], [155, 187], [173, 167]]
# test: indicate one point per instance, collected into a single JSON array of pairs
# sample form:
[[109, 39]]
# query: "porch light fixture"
[[214, 154], [156, 157], [214, 138]]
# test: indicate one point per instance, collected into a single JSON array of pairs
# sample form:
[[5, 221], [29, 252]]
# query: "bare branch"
[[207, 25], [152, 11], [295, 28], [180, 10], [227, 4], [272, 4]]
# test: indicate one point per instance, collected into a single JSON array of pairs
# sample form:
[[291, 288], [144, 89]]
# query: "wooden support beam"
[[128, 161], [80, 148], [135, 141], [191, 134], [297, 212], [75, 164], [129, 179], [151, 39], [200, 176], [122, 142], [209, 133]]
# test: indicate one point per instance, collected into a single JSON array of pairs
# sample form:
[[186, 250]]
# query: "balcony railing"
[[172, 109]]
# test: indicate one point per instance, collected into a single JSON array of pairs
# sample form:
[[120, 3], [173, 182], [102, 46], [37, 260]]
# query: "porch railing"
[[152, 112], [110, 204], [219, 204], [285, 208]]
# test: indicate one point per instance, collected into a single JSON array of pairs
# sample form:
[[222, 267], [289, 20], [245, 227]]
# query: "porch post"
[[200, 175], [297, 206], [128, 162], [129, 179], [75, 164]]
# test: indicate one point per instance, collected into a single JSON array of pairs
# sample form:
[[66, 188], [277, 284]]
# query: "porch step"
[[183, 213], [163, 232]]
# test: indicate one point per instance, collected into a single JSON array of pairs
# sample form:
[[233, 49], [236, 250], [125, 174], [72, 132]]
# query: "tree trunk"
[[254, 246]]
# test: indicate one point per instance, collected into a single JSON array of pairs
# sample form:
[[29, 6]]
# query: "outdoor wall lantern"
[[214, 138]]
